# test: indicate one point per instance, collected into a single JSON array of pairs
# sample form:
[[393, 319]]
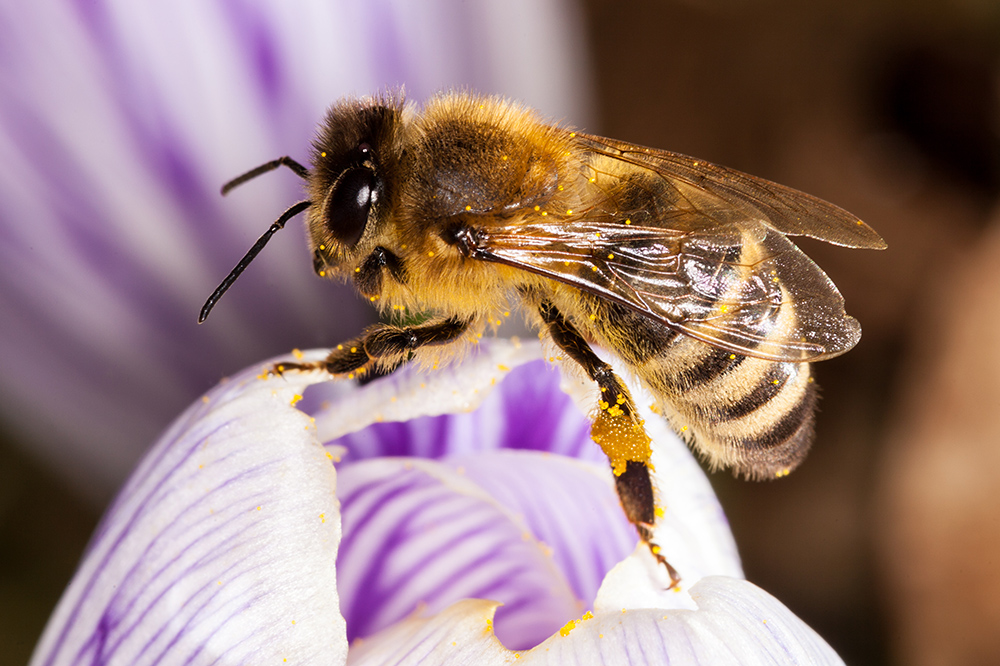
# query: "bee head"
[[349, 191], [350, 185]]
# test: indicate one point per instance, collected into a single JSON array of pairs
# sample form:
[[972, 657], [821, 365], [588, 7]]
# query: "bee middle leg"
[[632, 480], [382, 343]]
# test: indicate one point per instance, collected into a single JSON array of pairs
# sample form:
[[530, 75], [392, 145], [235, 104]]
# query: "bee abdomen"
[[752, 415]]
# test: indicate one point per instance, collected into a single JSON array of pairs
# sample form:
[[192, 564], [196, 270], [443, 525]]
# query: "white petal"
[[735, 623], [221, 548]]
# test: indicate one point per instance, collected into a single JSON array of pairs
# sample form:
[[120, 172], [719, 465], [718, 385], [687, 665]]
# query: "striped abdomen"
[[752, 415]]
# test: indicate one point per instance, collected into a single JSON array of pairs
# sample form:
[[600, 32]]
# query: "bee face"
[[351, 183]]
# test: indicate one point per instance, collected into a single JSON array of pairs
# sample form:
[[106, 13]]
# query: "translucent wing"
[[700, 248], [781, 208]]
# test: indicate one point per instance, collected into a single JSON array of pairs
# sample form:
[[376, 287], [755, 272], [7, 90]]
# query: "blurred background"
[[119, 122]]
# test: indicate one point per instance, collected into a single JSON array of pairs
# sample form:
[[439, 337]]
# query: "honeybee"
[[681, 268]]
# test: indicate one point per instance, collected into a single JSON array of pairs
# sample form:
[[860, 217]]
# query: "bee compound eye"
[[350, 203]]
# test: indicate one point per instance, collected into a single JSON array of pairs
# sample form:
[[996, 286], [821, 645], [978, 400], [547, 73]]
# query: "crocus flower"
[[120, 120], [382, 524]]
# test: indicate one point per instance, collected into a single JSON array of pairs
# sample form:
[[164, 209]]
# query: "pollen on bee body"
[[622, 439]]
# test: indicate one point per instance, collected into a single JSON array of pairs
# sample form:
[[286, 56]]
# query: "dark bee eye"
[[350, 202]]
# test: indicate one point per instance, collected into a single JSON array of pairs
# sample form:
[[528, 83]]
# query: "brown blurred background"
[[887, 540]]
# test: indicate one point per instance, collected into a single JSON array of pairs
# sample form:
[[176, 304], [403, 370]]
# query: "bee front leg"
[[383, 344], [617, 429]]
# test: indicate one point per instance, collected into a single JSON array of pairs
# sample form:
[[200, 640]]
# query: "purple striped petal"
[[118, 123], [734, 622], [535, 532], [220, 549]]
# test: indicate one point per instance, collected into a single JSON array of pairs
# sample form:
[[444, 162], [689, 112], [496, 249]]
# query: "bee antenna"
[[287, 161], [254, 251]]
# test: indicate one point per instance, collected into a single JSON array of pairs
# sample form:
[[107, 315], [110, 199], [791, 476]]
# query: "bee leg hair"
[[382, 343]]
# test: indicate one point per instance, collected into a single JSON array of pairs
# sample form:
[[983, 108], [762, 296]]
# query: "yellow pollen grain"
[[403, 246], [358, 269], [295, 399], [684, 428], [322, 517], [258, 507], [537, 208], [468, 208], [732, 356], [611, 256], [568, 627], [354, 350], [322, 273], [569, 211], [431, 253], [340, 347], [593, 317], [506, 313], [659, 512], [297, 353], [503, 368], [724, 308], [593, 268], [504, 158], [560, 188], [544, 213], [572, 134], [323, 154], [782, 472], [628, 221]]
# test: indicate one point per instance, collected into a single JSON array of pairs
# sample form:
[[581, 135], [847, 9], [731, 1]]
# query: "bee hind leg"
[[617, 429], [384, 344], [635, 490]]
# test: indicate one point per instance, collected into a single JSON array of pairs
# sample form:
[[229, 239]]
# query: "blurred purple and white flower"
[[118, 123], [255, 533]]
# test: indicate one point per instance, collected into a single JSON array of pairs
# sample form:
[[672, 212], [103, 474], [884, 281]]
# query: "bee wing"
[[781, 208], [765, 299]]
